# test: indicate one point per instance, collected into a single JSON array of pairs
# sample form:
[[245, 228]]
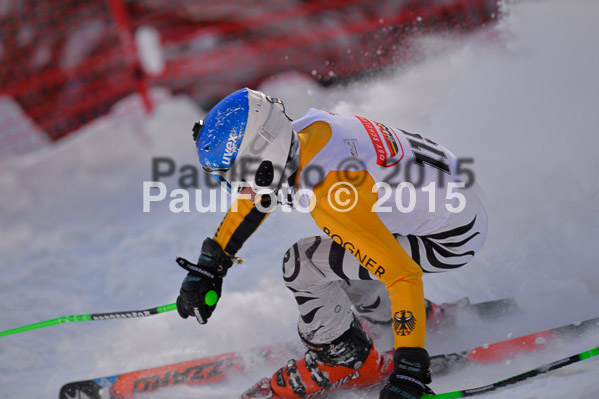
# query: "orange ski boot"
[[349, 361]]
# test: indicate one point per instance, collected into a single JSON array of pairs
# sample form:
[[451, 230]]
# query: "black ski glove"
[[410, 375], [201, 289]]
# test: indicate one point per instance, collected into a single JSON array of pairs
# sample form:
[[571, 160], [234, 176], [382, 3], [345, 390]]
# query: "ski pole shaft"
[[91, 317], [517, 378]]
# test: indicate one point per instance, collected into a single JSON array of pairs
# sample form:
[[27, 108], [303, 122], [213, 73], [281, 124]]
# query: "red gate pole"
[[131, 53]]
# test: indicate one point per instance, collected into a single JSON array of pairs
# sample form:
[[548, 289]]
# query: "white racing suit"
[[391, 205]]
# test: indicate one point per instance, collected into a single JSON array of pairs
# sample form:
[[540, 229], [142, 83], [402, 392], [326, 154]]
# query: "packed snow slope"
[[520, 99]]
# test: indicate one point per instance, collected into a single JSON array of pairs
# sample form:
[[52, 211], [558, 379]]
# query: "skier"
[[380, 236]]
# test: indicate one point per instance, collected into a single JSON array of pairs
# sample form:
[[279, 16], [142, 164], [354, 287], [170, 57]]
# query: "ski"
[[218, 368], [200, 371], [545, 368]]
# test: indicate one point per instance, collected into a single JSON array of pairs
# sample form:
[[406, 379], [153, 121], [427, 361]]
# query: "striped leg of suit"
[[326, 280]]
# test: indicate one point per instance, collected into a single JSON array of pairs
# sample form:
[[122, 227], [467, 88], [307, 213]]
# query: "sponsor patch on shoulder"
[[389, 150]]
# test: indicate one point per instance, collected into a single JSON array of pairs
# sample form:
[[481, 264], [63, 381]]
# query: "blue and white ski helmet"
[[246, 137]]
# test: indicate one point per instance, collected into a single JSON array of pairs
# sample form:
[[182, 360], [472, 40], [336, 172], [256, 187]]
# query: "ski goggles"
[[223, 176]]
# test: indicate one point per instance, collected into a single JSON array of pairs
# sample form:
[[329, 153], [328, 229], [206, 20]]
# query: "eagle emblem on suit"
[[404, 322]]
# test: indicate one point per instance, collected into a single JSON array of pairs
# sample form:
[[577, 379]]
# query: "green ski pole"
[[517, 378], [91, 317]]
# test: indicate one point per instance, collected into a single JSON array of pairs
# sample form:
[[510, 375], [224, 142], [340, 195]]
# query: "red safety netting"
[[211, 50], [66, 62]]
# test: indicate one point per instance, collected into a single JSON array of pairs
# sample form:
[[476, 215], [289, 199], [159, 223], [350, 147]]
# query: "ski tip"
[[493, 309], [81, 389]]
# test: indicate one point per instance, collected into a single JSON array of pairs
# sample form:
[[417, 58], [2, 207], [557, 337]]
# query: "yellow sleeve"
[[240, 222], [361, 232]]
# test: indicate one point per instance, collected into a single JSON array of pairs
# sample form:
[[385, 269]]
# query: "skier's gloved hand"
[[410, 375], [201, 289], [198, 297]]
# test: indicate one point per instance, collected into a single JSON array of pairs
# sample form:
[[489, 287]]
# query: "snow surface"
[[520, 99]]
